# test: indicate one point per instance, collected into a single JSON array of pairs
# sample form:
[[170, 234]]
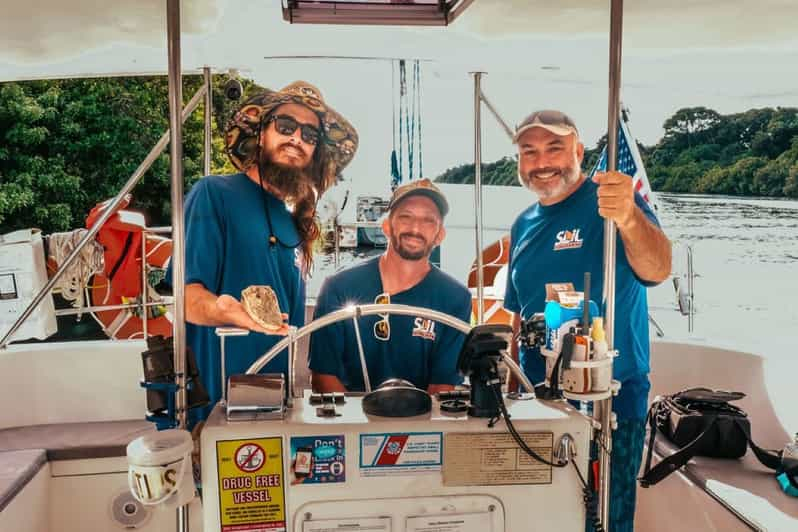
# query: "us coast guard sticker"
[[400, 454]]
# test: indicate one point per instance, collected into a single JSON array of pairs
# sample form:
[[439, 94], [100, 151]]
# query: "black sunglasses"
[[286, 125]]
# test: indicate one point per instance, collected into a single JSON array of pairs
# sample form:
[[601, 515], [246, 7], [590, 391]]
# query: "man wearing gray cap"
[[557, 240], [417, 349]]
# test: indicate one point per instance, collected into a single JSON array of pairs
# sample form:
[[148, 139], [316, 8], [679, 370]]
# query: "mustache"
[[547, 170], [292, 145], [414, 235]]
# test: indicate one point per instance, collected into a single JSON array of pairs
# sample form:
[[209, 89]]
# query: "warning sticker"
[[318, 459], [400, 453], [251, 487], [472, 522], [479, 459], [370, 524]]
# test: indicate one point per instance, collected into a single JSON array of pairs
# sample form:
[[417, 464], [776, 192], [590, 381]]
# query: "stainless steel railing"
[[145, 165]]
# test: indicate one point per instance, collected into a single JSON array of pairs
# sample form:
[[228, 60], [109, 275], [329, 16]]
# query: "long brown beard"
[[286, 182], [295, 187]]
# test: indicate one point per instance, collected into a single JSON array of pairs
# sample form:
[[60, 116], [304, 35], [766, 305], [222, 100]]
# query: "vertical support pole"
[[223, 373], [207, 116], [604, 408], [178, 233], [478, 192], [690, 290], [336, 242], [291, 365], [363, 366], [144, 290]]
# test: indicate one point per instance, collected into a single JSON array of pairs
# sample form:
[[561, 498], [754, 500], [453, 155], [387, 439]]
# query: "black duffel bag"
[[701, 422]]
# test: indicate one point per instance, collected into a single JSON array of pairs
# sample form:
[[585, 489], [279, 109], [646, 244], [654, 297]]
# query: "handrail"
[[660, 333], [356, 311], [690, 288], [496, 114], [107, 212]]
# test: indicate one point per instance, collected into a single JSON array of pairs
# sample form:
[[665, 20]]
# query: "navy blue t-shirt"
[[227, 250], [420, 350], [559, 243]]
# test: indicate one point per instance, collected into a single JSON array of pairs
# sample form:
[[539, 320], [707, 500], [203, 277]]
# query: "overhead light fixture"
[[374, 12]]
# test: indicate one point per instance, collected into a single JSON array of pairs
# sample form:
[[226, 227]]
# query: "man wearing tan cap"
[[419, 350], [558, 239], [258, 227]]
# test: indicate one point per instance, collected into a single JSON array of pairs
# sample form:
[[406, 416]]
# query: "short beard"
[[407, 254], [568, 176], [287, 182]]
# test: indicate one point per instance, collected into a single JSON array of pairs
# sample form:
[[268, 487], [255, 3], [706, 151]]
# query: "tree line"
[[66, 145], [752, 153]]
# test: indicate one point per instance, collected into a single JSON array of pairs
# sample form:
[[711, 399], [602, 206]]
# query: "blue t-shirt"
[[227, 250], [559, 243], [420, 350]]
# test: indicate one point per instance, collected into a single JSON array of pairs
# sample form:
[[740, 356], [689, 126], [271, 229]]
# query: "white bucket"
[[159, 468]]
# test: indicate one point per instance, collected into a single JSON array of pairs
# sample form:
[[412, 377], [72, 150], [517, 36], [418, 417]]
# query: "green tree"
[[748, 153], [69, 144], [686, 125]]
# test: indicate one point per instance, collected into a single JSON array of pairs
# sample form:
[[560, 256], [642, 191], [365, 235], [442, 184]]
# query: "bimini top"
[[374, 12]]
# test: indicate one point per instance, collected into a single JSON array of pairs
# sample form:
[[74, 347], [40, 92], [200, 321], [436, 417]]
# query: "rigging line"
[[414, 115], [393, 104], [402, 114], [394, 162], [420, 149], [409, 127]]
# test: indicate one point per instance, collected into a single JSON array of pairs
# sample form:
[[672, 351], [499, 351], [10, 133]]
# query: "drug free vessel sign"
[[251, 484]]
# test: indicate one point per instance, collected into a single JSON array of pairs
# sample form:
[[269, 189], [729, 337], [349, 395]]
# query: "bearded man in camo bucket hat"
[[257, 227]]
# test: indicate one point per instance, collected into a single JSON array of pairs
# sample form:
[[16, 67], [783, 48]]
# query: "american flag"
[[630, 163]]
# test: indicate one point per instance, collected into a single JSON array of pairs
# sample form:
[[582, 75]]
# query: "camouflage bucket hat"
[[338, 136]]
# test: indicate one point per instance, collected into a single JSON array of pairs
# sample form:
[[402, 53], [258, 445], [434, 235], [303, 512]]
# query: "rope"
[[393, 104], [404, 119], [90, 261], [396, 172], [411, 126], [418, 103]]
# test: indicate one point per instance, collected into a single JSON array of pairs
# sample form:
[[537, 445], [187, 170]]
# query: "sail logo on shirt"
[[568, 240], [424, 328]]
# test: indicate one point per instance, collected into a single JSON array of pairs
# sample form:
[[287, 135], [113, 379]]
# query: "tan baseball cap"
[[420, 187], [557, 122]]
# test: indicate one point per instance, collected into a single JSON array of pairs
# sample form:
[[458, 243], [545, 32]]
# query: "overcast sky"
[[728, 55]]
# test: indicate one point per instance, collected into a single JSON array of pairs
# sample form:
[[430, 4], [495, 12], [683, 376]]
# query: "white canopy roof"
[[80, 38]]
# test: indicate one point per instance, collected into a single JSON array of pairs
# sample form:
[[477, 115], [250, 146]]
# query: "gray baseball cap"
[[557, 122]]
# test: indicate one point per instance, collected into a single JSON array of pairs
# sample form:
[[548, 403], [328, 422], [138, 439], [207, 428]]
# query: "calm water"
[[745, 252], [746, 255]]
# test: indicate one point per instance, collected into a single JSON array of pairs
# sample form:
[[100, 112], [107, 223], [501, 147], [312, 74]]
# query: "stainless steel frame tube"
[[207, 116], [478, 193], [145, 165], [374, 309], [604, 408], [178, 233]]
